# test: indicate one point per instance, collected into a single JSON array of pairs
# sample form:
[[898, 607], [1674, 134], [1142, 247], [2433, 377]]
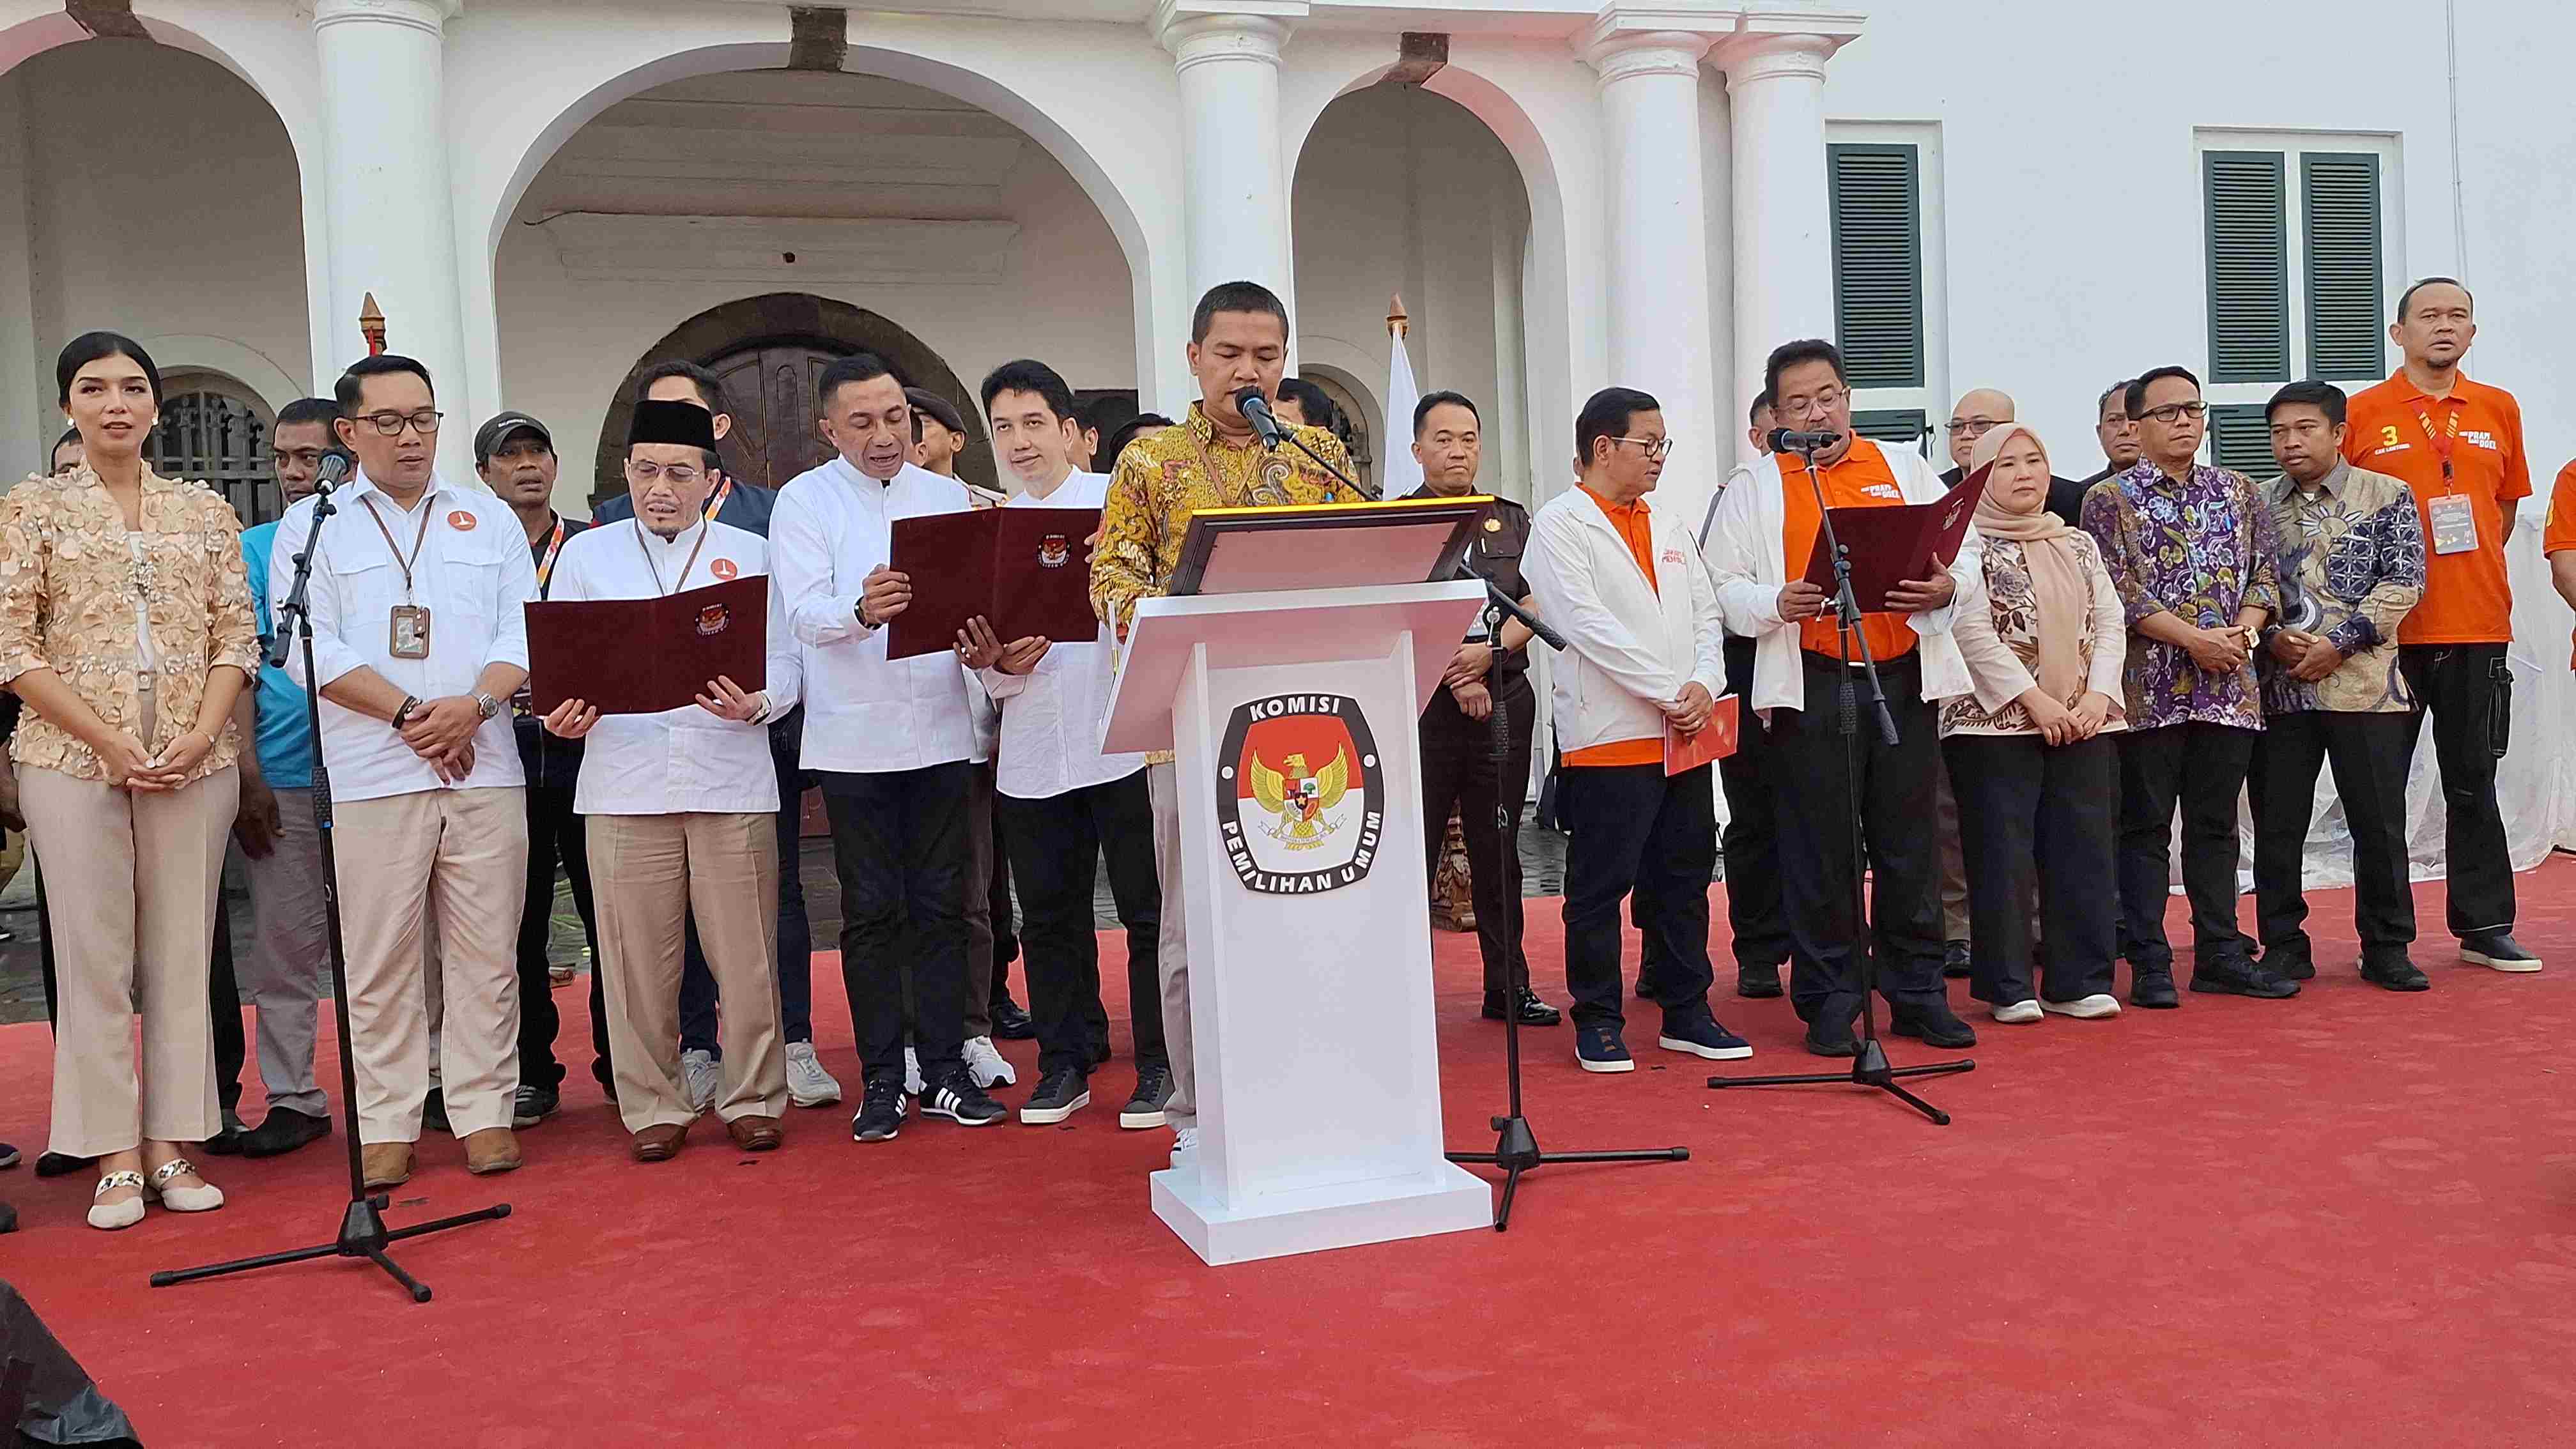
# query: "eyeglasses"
[[1817, 406], [2172, 413], [1654, 447], [681, 475], [1972, 427], [391, 424]]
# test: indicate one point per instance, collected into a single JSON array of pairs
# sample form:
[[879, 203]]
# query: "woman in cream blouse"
[[126, 626]]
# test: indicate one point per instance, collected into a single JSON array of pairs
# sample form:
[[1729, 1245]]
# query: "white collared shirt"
[[682, 760], [864, 713], [474, 576], [1051, 716]]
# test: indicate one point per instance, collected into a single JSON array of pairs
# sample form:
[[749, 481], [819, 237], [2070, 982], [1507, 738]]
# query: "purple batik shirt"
[[2202, 548]]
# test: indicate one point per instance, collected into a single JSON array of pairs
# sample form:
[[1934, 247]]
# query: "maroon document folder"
[[1025, 570], [1890, 546], [643, 656]]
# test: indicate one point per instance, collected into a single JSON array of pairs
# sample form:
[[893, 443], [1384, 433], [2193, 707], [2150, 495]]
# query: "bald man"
[[1978, 411]]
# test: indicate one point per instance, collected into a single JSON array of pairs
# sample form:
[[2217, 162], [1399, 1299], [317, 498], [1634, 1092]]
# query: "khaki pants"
[[465, 853], [1172, 949], [649, 874], [131, 876]]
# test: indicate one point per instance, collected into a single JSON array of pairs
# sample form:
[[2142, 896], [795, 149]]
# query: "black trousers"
[[2370, 754], [698, 1026], [899, 840], [223, 993], [998, 909], [2467, 689], [1813, 796], [1751, 841], [2201, 768], [1056, 844], [2043, 814], [1458, 769], [1634, 828], [556, 838]]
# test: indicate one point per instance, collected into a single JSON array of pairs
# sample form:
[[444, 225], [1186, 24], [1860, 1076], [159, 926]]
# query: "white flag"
[[1398, 472]]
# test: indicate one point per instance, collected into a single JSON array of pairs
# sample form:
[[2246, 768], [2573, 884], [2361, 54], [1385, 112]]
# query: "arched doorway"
[[770, 352], [214, 430]]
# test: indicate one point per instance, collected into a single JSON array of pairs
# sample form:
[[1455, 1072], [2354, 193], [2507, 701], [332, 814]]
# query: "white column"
[[392, 219], [1784, 264], [28, 419], [1658, 273], [1234, 180]]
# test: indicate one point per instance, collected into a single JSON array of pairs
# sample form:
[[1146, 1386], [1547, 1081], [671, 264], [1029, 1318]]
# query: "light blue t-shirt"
[[284, 741]]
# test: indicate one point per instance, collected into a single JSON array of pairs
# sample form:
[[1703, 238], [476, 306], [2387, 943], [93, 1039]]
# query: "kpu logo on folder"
[[1300, 799]]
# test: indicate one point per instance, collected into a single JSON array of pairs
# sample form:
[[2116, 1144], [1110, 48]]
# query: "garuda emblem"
[[1300, 799]]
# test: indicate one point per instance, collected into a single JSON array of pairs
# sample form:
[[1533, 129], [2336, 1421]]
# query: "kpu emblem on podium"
[[1300, 799]]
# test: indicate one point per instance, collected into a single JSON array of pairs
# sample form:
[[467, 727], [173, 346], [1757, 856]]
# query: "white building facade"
[[543, 196]]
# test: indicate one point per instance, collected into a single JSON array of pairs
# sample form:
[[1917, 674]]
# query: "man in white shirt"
[[1765, 531], [681, 805], [1063, 803], [888, 740], [419, 633]]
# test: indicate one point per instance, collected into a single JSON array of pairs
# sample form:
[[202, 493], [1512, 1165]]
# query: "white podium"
[[1293, 717]]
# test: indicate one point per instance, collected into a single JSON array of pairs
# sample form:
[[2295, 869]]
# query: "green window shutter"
[[1896, 427], [2240, 437], [2249, 266], [1876, 203], [2339, 199]]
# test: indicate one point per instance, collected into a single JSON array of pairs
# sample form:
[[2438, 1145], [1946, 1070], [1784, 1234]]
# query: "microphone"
[[1782, 440], [332, 472], [1256, 411]]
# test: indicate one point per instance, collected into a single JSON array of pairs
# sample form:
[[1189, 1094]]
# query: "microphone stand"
[[362, 1226], [1869, 1061]]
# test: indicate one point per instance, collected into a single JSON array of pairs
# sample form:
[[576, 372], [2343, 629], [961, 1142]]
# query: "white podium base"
[[1448, 1199]]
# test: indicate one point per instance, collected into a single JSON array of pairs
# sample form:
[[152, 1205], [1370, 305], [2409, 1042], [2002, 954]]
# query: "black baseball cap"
[[926, 401], [489, 436]]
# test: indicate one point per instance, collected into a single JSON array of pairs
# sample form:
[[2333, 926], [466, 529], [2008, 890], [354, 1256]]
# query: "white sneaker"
[[700, 1077], [912, 1082], [808, 1085], [987, 1064], [2020, 1013], [2100, 1003], [1185, 1146]]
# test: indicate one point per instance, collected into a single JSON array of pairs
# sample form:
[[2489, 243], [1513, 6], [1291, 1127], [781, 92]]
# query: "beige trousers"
[[131, 878], [1172, 949], [649, 874], [465, 852]]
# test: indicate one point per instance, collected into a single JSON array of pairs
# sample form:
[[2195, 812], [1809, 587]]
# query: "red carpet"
[[2348, 1219]]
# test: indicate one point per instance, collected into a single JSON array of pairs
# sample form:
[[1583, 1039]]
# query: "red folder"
[[1025, 570], [643, 656], [1715, 740], [1890, 546]]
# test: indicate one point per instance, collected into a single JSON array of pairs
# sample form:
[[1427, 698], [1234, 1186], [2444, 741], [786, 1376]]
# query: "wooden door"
[[770, 388]]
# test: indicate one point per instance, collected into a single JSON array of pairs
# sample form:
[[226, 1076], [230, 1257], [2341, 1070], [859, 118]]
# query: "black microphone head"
[[1249, 397], [333, 470]]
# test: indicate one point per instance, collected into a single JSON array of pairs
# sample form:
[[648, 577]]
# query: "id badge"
[[409, 637], [2455, 524]]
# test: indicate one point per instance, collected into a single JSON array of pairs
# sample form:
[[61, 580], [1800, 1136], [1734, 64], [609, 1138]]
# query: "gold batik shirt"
[[68, 586], [1163, 479]]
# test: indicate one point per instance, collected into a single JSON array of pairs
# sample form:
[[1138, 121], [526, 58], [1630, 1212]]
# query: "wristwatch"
[[859, 611], [410, 702], [485, 705]]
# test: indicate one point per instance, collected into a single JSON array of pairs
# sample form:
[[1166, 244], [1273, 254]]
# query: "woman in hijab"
[[2036, 776]]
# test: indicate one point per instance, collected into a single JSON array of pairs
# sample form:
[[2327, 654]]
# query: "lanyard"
[[546, 565], [391, 547], [2442, 441], [723, 491], [655, 569]]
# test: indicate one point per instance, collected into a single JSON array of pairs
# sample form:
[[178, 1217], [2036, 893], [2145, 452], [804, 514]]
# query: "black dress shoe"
[[2497, 949], [1831, 1039], [1757, 983], [1934, 1026], [2396, 973], [284, 1130], [1010, 1023], [2290, 963], [2152, 989], [56, 1164], [433, 1112], [1956, 960], [1534, 1012], [228, 1142], [2239, 976]]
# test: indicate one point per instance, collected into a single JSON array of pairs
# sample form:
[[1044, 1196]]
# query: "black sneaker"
[[957, 1098], [228, 1142], [1599, 1049], [1832, 1039], [2152, 989], [1009, 1022], [1758, 983], [2291, 963], [2235, 975], [1696, 1030], [8, 1155], [1153, 1094], [2396, 973], [1932, 1025], [433, 1112], [1060, 1094], [1956, 960], [1534, 1012], [2499, 950], [880, 1110], [534, 1105], [282, 1131], [60, 1164]]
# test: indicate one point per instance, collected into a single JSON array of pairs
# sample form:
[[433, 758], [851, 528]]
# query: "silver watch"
[[485, 705]]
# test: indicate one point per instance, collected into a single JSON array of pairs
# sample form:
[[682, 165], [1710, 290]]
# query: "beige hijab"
[[2063, 595]]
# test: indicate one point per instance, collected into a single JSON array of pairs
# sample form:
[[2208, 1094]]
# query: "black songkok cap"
[[686, 424]]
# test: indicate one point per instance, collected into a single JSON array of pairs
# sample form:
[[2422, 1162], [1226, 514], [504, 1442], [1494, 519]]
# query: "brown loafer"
[[660, 1142], [493, 1149], [386, 1164], [754, 1133]]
